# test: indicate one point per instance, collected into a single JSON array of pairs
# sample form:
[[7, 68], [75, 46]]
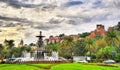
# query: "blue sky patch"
[[73, 3]]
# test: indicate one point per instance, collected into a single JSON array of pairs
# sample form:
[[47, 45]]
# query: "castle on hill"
[[99, 31]]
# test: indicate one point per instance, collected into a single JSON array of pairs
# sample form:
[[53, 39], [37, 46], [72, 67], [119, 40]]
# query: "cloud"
[[21, 21], [30, 4], [55, 21], [46, 26], [14, 19], [53, 17], [98, 4], [14, 3]]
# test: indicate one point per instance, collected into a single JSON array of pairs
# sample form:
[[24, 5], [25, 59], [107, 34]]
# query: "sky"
[[23, 19]]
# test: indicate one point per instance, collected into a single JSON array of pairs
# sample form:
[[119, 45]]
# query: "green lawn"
[[17, 67], [71, 66], [42, 65], [77, 66]]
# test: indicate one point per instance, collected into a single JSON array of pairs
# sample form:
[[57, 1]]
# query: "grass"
[[17, 67], [42, 65], [77, 66], [70, 66]]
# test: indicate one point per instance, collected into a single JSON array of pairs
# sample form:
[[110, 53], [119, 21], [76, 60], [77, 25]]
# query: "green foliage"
[[83, 35], [5, 53], [67, 47], [68, 39], [118, 57], [9, 50], [1, 46], [118, 49], [98, 37], [1, 49], [79, 49], [90, 45], [28, 49], [106, 53], [16, 52], [112, 38], [10, 43], [52, 47]]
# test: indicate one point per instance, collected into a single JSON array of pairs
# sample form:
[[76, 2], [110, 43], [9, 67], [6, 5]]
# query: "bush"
[[106, 53], [67, 57], [117, 57]]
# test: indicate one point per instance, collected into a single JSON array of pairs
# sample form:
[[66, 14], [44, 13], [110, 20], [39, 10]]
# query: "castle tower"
[[99, 31]]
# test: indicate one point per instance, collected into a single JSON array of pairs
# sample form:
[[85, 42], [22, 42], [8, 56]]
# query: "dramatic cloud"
[[25, 18], [19, 3]]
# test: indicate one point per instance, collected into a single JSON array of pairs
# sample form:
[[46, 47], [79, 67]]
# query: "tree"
[[16, 52], [105, 53], [118, 26], [28, 49], [5, 53], [10, 44], [52, 47], [101, 44], [7, 49], [79, 49], [10, 47], [90, 45], [83, 35], [66, 47], [99, 37], [112, 38], [1, 48]]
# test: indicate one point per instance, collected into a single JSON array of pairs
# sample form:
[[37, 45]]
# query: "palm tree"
[[10, 44], [80, 49], [112, 38], [68, 44], [90, 45]]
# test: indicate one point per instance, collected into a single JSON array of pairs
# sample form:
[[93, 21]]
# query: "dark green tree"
[[79, 49], [16, 52], [112, 38], [90, 45], [1, 48], [10, 44], [83, 35], [67, 47], [52, 47]]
